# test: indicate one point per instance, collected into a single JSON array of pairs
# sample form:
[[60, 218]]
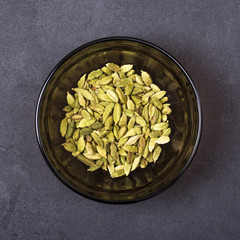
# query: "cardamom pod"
[[106, 70], [130, 104], [97, 125], [156, 153], [86, 161], [97, 139], [138, 79], [162, 140], [112, 95], [116, 131], [131, 122], [70, 100], [164, 117], [63, 127], [146, 150], [136, 91], [122, 152], [76, 134], [144, 163], [132, 140], [122, 131], [81, 100], [94, 168], [132, 132], [107, 111], [121, 95], [86, 114], [152, 144], [159, 126], [105, 80], [122, 141], [86, 131], [130, 148], [85, 123], [126, 68], [129, 88], [95, 74], [89, 148], [114, 151], [81, 81], [131, 72], [113, 67], [111, 137], [136, 162], [108, 123], [70, 147], [141, 145], [77, 117], [102, 151], [127, 168], [117, 111], [67, 109], [95, 156], [140, 120], [166, 132], [123, 120], [159, 95], [70, 129], [146, 78], [155, 88], [164, 99], [129, 113], [166, 110]]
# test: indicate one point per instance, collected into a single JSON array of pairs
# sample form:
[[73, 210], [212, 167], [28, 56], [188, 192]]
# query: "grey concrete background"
[[203, 36]]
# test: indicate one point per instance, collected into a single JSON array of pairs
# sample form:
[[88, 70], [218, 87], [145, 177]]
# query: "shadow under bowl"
[[185, 120]]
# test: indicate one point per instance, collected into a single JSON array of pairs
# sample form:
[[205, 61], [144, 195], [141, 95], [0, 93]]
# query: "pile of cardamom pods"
[[116, 120]]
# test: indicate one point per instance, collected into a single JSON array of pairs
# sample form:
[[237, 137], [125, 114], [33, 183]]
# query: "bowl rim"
[[118, 38]]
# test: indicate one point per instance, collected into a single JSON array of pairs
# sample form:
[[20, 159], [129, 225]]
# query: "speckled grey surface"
[[203, 36]]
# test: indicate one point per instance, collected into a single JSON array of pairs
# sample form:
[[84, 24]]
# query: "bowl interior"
[[184, 120]]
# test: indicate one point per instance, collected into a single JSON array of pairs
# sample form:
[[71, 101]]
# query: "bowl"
[[185, 120]]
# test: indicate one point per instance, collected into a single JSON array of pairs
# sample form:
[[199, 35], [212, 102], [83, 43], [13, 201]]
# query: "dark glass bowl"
[[185, 120]]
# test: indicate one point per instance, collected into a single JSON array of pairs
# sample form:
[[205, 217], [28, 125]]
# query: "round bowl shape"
[[185, 120]]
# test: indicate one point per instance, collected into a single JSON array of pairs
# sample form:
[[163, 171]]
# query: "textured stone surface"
[[203, 36]]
